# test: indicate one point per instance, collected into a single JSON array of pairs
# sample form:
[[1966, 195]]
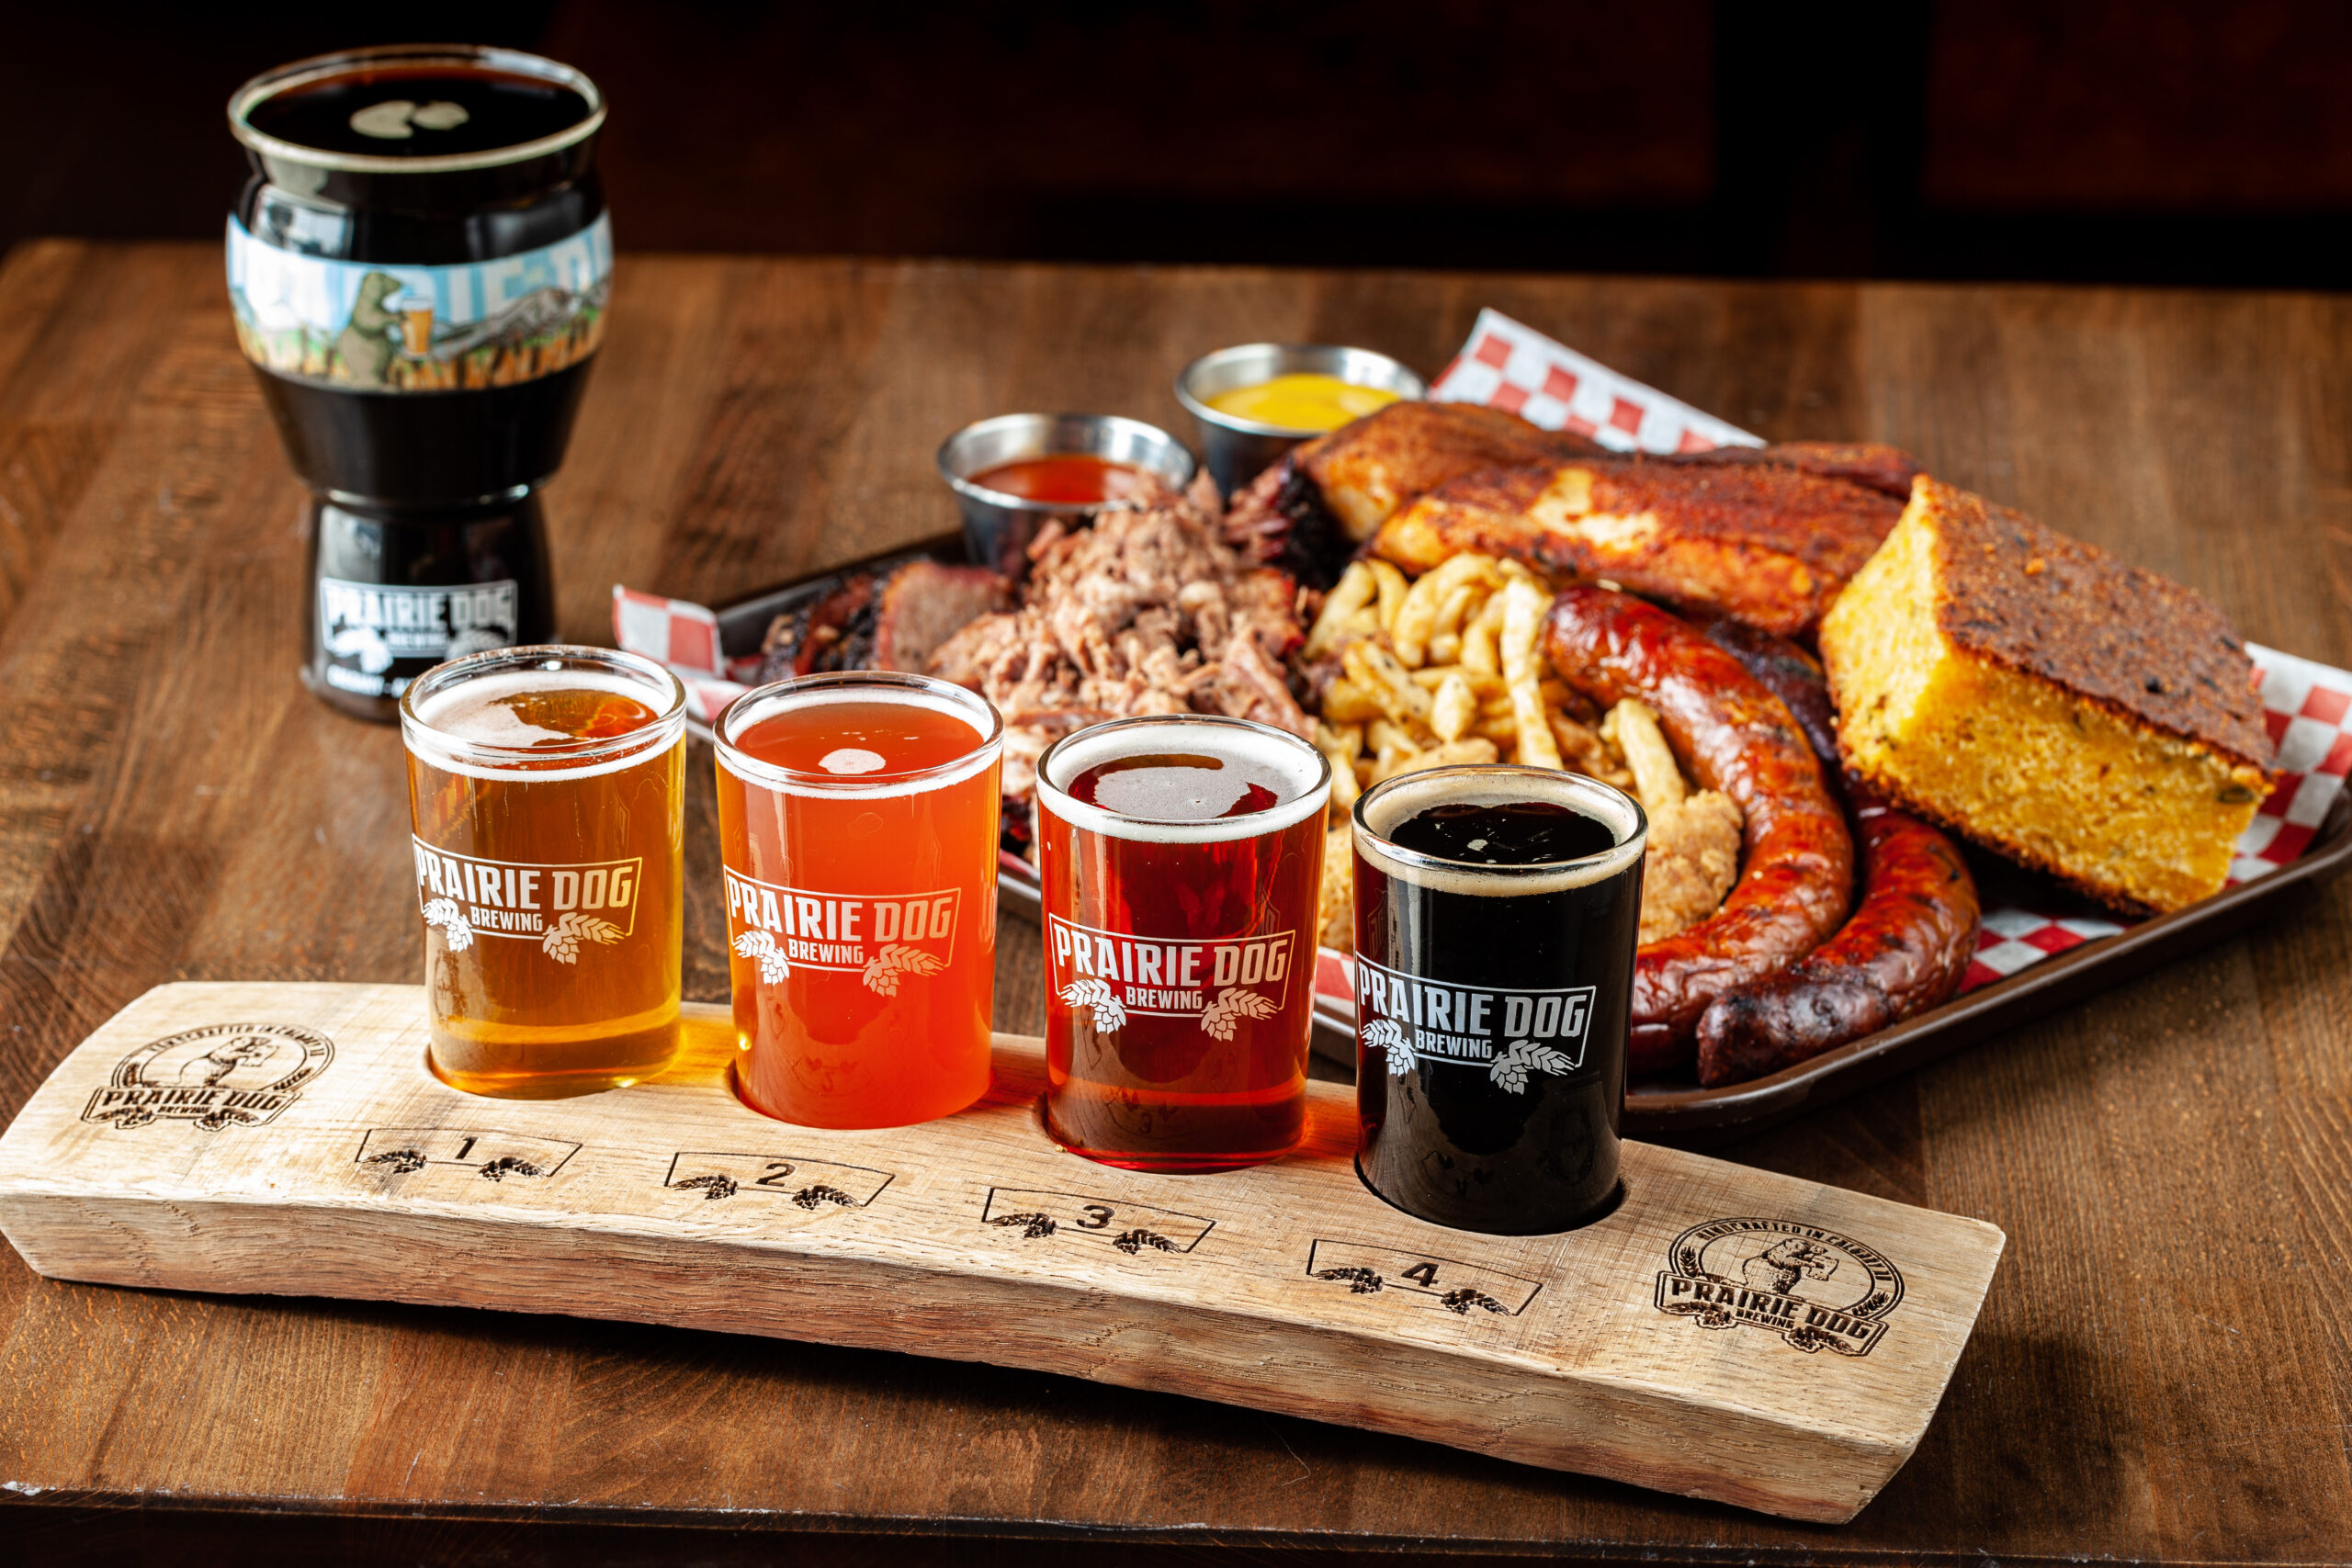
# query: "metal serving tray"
[[1701, 1118]]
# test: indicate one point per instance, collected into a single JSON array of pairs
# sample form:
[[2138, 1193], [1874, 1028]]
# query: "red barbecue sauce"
[[1064, 478]]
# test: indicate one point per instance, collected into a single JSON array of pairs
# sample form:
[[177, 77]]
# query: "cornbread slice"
[[2036, 694]]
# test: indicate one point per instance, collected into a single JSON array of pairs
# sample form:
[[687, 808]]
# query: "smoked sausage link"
[[1905, 950], [1797, 859]]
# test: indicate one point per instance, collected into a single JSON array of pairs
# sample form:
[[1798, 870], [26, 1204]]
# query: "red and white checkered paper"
[[1518, 369], [683, 636], [1507, 366]]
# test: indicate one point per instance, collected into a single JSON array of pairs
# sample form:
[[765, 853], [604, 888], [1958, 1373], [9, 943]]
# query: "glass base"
[[1205, 1158], [510, 1062], [393, 593]]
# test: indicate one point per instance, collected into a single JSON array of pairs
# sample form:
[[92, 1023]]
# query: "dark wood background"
[[2162, 1371], [2150, 140]]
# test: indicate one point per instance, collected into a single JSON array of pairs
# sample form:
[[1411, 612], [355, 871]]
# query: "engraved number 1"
[[467, 1148], [1426, 1273]]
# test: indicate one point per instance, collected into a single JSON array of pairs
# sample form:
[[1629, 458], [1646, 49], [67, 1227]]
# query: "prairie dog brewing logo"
[[1815, 1289], [1510, 1034], [223, 1074], [1217, 983], [564, 909], [365, 627], [882, 939]]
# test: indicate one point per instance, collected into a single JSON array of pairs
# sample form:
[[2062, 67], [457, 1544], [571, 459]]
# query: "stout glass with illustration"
[[1181, 857], [418, 269], [546, 788]]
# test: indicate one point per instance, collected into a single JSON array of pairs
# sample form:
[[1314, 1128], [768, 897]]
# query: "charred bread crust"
[[2145, 648]]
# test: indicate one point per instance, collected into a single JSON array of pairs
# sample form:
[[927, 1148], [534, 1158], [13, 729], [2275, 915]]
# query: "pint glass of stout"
[[547, 789], [419, 266], [1496, 911], [858, 828], [1181, 858]]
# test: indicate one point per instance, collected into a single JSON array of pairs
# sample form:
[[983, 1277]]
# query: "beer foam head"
[[1381, 809], [1299, 775], [849, 772], [462, 717]]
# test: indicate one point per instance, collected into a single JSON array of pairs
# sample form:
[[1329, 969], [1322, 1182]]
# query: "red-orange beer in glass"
[[1181, 857], [857, 823]]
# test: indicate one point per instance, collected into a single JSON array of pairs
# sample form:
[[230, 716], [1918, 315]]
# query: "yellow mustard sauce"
[[1302, 400]]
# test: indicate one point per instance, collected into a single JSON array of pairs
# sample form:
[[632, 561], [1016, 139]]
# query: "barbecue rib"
[[1309, 510], [1764, 543]]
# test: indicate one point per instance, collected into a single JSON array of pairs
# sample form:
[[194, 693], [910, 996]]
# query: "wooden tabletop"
[[2164, 1368]]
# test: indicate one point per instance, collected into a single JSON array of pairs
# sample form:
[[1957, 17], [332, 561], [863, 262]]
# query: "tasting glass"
[[1492, 1004], [1179, 956], [861, 909], [547, 790]]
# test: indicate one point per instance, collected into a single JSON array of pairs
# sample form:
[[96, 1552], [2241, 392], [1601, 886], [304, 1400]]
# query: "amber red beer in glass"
[[547, 789], [1181, 858], [857, 825], [1496, 914]]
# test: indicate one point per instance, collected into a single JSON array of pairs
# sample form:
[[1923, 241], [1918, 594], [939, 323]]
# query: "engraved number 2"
[[776, 1172], [1424, 1272], [1098, 1217]]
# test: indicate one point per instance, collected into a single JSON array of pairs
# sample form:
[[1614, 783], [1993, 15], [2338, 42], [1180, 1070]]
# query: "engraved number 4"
[[1097, 1217], [1424, 1272]]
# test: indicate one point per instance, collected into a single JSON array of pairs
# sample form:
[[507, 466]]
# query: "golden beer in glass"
[[547, 787]]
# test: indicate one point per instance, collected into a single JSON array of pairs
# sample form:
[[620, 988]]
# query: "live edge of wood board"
[[1725, 1333]]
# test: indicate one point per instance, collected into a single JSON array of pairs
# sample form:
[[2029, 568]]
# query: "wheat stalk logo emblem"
[[896, 961], [1389, 1036], [1108, 1016], [1510, 1068], [444, 913], [562, 939], [759, 945], [1232, 1005]]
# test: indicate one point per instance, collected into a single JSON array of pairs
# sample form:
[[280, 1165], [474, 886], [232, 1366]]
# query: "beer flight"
[[420, 280], [1181, 858]]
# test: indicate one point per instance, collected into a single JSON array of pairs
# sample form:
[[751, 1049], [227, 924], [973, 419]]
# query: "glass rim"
[[669, 716], [1213, 831], [295, 74], [1628, 848], [774, 776]]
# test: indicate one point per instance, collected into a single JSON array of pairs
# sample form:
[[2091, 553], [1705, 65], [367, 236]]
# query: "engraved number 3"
[[1097, 1217]]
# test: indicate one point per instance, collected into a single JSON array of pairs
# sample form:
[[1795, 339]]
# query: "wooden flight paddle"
[[1725, 1333]]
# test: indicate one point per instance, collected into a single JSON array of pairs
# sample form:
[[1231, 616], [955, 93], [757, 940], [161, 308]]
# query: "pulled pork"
[[1148, 611]]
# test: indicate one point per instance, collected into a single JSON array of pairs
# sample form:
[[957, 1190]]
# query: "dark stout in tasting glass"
[[1497, 912], [419, 266], [1181, 858]]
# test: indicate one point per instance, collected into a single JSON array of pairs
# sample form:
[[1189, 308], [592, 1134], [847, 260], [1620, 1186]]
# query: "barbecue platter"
[[1440, 583]]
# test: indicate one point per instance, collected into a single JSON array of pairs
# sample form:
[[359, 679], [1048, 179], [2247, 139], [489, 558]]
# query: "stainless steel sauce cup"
[[1238, 450], [998, 526]]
